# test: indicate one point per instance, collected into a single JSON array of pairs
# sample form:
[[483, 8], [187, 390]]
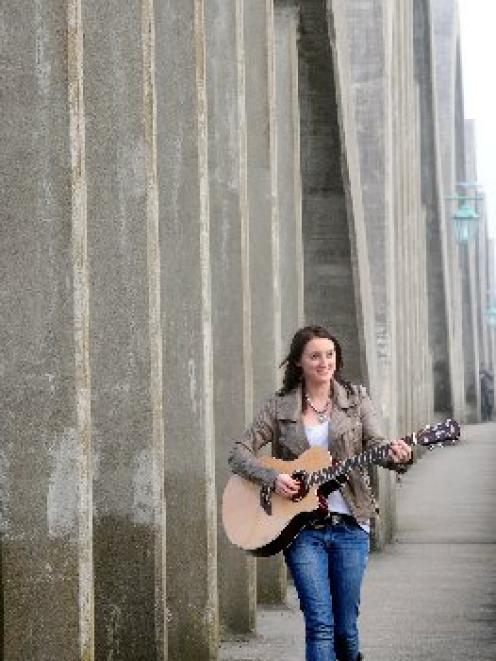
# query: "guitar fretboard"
[[372, 456], [430, 435]]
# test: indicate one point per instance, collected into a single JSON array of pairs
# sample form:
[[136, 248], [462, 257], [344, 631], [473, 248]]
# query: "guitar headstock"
[[443, 432]]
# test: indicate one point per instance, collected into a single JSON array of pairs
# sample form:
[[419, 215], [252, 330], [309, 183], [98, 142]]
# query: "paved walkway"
[[431, 595]]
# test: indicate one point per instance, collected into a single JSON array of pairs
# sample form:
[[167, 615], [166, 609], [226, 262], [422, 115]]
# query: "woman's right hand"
[[286, 486]]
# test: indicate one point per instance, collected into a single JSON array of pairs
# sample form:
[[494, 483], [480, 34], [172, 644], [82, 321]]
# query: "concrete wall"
[[184, 216], [182, 189], [433, 204], [369, 75], [46, 475], [126, 424], [229, 257], [445, 36], [328, 258]]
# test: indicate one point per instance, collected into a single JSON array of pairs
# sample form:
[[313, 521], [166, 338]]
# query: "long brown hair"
[[293, 374]]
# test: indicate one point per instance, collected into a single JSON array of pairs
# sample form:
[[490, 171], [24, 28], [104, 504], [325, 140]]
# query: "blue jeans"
[[327, 566]]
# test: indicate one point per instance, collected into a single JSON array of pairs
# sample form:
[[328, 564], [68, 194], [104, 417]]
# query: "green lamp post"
[[466, 219], [466, 222], [491, 317]]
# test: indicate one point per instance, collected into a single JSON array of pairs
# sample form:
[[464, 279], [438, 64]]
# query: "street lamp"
[[491, 317], [466, 222], [465, 218]]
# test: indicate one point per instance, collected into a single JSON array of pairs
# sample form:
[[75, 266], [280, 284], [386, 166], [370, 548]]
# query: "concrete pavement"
[[431, 595]]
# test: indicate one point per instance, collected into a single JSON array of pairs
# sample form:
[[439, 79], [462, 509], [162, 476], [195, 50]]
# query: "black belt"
[[331, 519]]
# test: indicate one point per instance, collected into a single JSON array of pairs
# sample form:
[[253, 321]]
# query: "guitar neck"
[[372, 456]]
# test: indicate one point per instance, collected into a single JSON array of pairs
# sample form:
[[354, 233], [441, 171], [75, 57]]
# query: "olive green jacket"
[[354, 427]]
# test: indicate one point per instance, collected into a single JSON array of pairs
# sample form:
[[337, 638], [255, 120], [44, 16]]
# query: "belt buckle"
[[335, 519]]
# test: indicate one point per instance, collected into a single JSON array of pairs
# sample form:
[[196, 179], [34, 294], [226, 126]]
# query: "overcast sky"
[[478, 35]]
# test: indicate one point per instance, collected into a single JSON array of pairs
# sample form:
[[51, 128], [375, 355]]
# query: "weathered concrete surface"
[[448, 96], [264, 262], [262, 197], [348, 71], [431, 594], [45, 446], [182, 153], [332, 211], [369, 78], [125, 284], [129, 599], [437, 255], [286, 26], [230, 283]]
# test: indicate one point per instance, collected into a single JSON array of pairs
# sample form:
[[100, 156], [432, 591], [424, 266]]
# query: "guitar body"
[[246, 523]]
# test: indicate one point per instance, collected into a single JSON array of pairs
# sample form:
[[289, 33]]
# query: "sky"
[[478, 43]]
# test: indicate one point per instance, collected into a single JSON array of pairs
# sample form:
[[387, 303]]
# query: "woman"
[[327, 560]]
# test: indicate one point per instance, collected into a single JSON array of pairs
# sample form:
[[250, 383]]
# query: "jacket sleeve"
[[372, 431], [243, 455]]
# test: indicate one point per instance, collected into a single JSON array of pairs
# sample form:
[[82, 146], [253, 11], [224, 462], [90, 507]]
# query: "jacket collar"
[[341, 398], [290, 404], [342, 401], [290, 407]]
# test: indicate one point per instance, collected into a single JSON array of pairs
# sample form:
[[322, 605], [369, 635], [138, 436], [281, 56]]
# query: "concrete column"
[[288, 168], [184, 217], [331, 280], [445, 31], [471, 358], [483, 298], [402, 229], [477, 266], [126, 361], [230, 283], [45, 450], [262, 197], [370, 86], [369, 78], [263, 235], [437, 256]]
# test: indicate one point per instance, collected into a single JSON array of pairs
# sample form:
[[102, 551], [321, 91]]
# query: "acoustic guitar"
[[263, 523]]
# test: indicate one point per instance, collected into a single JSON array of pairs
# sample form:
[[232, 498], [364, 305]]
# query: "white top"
[[317, 437]]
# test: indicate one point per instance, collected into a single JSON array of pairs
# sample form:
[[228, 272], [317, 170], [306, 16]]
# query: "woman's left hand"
[[400, 452]]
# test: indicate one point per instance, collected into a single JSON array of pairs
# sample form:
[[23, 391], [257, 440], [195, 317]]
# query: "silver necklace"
[[321, 415]]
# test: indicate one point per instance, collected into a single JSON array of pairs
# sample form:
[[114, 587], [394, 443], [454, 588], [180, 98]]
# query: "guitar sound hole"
[[302, 478]]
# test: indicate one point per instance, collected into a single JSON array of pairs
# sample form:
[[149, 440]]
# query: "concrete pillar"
[[263, 235], [405, 189], [477, 265], [125, 333], [45, 453], [471, 359], [288, 168], [445, 31], [328, 271], [483, 295], [262, 197], [369, 84], [369, 78], [184, 217], [287, 238], [230, 283], [345, 289], [437, 256]]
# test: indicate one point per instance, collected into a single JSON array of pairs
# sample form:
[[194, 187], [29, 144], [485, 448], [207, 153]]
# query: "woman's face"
[[318, 361]]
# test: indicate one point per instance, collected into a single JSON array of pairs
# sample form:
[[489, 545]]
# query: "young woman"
[[327, 560]]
